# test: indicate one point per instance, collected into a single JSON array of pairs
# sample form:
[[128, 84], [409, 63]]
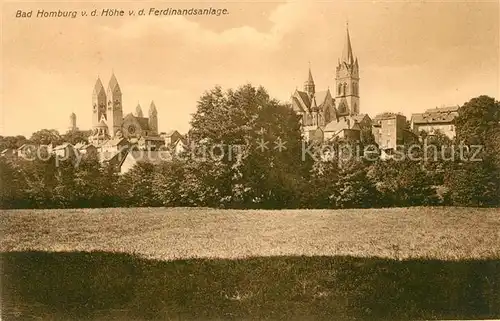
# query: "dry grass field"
[[207, 264], [180, 233]]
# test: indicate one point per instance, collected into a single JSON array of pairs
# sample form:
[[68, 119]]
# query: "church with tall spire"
[[325, 115], [108, 122]]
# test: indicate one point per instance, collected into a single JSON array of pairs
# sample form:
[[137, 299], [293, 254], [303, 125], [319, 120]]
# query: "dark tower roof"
[[152, 107], [113, 84], [98, 88], [347, 55], [138, 111]]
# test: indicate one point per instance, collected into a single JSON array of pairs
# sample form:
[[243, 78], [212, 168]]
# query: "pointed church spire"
[[113, 83], [98, 87], [152, 107], [138, 110], [309, 86], [347, 55]]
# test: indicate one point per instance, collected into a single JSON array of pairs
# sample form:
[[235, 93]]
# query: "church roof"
[[113, 84], [301, 101], [321, 97], [143, 122], [341, 124]]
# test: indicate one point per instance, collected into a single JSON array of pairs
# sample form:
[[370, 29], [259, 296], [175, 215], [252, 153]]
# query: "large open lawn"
[[206, 264], [440, 233]]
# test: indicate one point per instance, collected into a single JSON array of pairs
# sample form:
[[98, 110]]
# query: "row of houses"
[[119, 152]]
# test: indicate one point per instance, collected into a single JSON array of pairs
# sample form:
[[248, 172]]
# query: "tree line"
[[266, 176]]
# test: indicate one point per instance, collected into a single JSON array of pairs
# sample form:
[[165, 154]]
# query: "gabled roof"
[[181, 140], [322, 96], [171, 132], [297, 105], [143, 122], [341, 124], [436, 115], [433, 118], [115, 141], [301, 101], [360, 117]]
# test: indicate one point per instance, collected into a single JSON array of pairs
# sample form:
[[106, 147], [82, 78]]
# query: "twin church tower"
[[319, 109], [107, 115]]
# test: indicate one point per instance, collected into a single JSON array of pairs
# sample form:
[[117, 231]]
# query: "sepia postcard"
[[250, 160]]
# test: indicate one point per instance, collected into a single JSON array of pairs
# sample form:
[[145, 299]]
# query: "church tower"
[[114, 108], [309, 86], [72, 123], [98, 103], [347, 81], [153, 118]]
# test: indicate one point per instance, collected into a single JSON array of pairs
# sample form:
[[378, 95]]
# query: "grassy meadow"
[[208, 264]]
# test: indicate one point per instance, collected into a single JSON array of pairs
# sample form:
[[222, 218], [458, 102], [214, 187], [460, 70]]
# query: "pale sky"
[[412, 56]]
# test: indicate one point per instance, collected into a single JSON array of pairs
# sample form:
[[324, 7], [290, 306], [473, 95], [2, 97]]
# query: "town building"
[[389, 130], [439, 119]]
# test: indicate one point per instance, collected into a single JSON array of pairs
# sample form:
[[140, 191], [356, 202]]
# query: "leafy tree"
[[12, 142], [354, 189], [250, 125], [474, 184], [46, 137], [76, 136], [404, 183], [477, 119], [137, 185], [39, 179], [11, 185]]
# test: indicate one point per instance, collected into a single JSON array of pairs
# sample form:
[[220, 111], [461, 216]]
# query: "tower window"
[[340, 89], [345, 88]]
